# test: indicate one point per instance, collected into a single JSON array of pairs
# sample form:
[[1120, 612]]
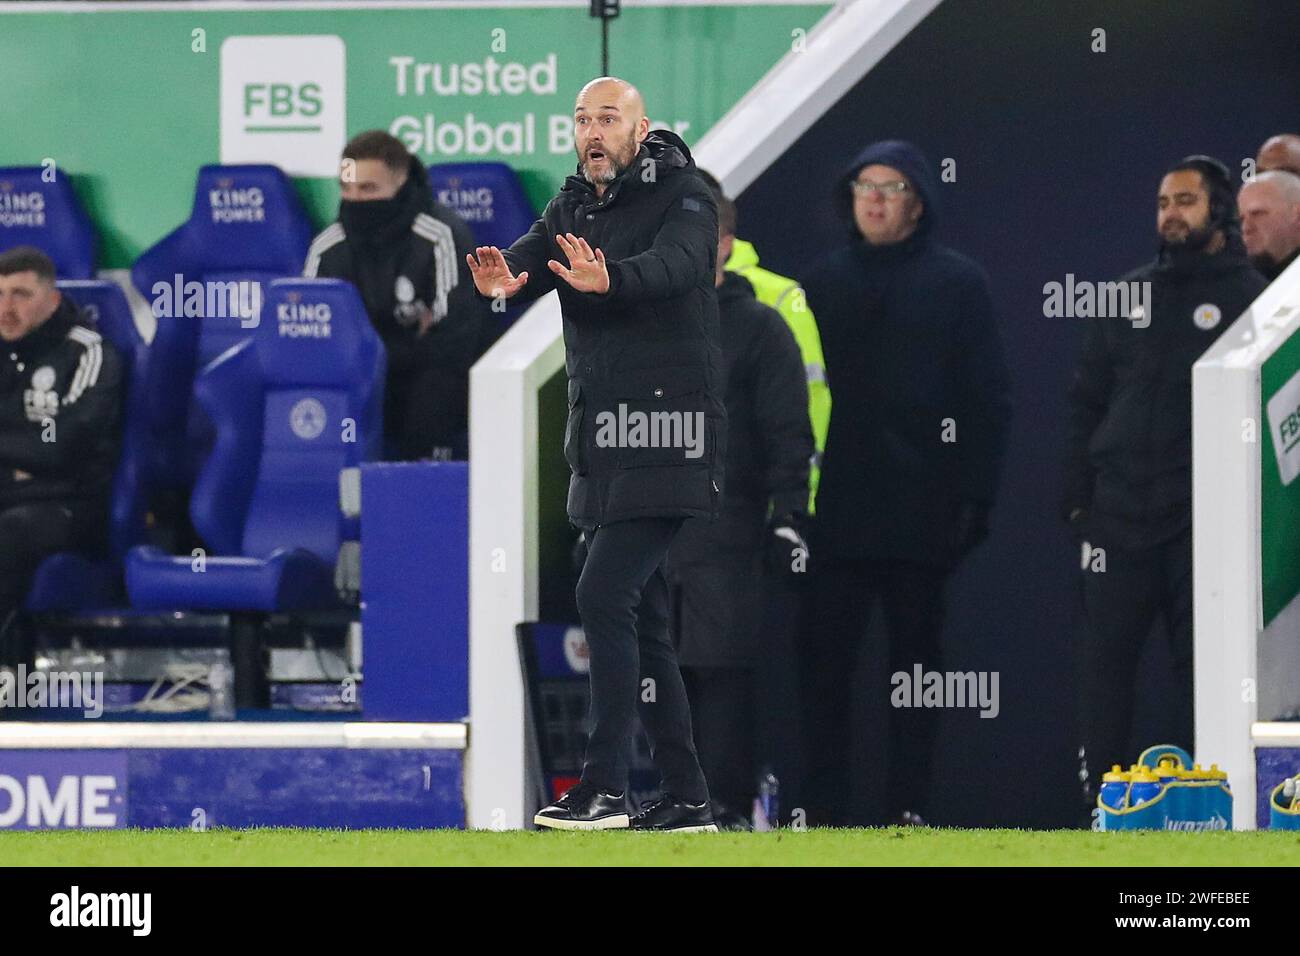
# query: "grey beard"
[[610, 174]]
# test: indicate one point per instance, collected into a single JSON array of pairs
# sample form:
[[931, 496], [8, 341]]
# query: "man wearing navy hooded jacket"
[[911, 464]]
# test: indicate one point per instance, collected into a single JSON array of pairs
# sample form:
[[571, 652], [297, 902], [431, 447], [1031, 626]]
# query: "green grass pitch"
[[817, 847]]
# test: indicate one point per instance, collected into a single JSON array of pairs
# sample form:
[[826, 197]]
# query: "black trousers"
[[729, 648], [426, 414], [30, 533], [842, 594], [1121, 603], [622, 598], [722, 705]]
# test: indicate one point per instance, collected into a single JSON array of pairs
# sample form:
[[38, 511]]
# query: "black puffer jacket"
[[1130, 427], [649, 348], [769, 437]]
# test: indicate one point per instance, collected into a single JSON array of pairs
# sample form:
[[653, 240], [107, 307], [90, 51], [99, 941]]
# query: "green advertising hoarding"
[[130, 101], [1279, 492]]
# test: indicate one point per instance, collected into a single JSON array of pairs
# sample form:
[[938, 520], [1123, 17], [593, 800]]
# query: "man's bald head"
[[612, 91], [1270, 217], [1276, 182], [609, 125], [1280, 152]]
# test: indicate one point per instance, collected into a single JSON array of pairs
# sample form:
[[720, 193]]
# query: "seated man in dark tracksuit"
[[715, 569], [60, 389]]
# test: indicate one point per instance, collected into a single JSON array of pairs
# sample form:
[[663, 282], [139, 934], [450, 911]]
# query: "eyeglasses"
[[865, 187]]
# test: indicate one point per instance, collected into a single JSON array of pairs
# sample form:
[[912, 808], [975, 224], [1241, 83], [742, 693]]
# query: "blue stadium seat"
[[266, 502], [49, 216], [75, 582], [247, 225], [488, 196]]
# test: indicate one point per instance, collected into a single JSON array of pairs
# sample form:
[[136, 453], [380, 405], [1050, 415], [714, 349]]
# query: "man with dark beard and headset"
[[630, 243], [1129, 438]]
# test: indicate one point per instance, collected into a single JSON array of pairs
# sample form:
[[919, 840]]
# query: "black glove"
[[579, 553], [970, 528], [786, 551]]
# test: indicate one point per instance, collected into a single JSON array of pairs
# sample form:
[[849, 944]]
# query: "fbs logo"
[[1284, 424], [283, 101]]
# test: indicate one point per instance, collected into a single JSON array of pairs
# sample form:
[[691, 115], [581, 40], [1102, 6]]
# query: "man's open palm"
[[586, 272], [492, 274]]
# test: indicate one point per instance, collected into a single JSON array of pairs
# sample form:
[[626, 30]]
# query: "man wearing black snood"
[[1129, 474], [406, 255]]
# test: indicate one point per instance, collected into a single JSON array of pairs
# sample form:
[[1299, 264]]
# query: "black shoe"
[[669, 813], [585, 807]]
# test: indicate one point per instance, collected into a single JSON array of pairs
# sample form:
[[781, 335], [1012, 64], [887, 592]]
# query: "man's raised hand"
[[492, 274], [587, 271]]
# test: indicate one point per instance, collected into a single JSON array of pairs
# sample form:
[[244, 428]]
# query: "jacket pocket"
[[573, 430], [659, 418]]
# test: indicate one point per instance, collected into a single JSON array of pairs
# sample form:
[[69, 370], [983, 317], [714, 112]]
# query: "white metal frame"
[[1240, 666], [503, 533]]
